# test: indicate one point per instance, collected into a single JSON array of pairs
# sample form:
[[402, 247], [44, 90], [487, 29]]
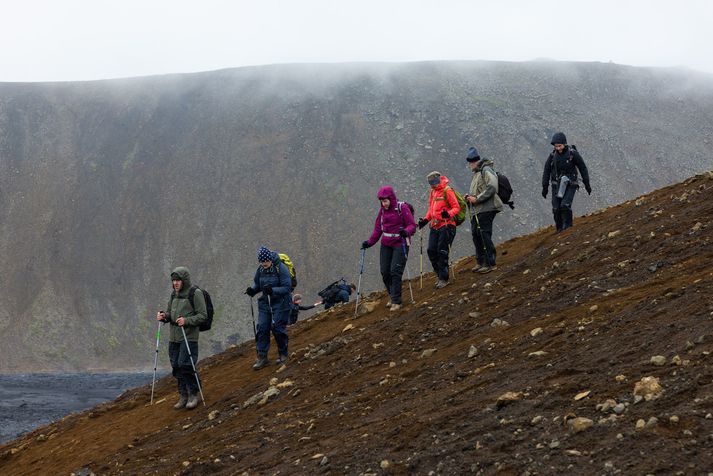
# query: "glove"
[[544, 192], [422, 222], [250, 292], [444, 214], [267, 290], [364, 245], [588, 188], [402, 233]]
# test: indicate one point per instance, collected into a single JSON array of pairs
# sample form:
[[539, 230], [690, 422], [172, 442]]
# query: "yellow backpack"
[[291, 267]]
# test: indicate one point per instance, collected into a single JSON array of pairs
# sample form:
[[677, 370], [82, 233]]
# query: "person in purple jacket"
[[395, 225]]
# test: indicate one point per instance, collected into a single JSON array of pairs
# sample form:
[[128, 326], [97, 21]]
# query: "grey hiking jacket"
[[484, 187]]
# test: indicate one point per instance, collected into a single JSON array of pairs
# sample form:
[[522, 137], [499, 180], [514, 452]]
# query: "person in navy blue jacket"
[[273, 280]]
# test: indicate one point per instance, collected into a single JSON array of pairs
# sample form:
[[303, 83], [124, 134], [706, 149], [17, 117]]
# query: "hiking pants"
[[439, 241], [182, 368], [275, 321], [481, 226], [392, 263], [562, 207]]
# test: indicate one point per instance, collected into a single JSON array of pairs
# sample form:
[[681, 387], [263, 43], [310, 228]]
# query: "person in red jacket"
[[442, 207]]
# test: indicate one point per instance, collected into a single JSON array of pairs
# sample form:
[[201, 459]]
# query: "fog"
[[44, 40]]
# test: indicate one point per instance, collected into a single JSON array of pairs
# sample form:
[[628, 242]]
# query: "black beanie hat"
[[472, 155], [559, 138]]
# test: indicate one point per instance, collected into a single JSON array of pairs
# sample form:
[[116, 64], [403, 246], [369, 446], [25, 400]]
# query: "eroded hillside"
[[530, 369]]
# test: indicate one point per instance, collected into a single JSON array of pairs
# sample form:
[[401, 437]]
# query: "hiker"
[[180, 313], [273, 280], [338, 293], [483, 204], [442, 207], [297, 306], [395, 225], [561, 173]]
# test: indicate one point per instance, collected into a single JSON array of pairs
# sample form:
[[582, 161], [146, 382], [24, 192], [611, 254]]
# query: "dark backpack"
[[505, 190], [208, 307], [329, 293]]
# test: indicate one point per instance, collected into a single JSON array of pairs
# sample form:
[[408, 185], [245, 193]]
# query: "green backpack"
[[460, 217]]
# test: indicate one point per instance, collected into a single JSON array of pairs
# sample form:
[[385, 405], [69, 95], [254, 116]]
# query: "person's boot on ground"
[[192, 401], [442, 207], [181, 403], [394, 225], [560, 174]]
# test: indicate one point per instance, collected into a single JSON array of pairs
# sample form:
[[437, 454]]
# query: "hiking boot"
[[282, 359], [181, 402], [441, 284], [395, 307], [260, 363], [192, 402], [487, 269], [477, 268], [388, 304]]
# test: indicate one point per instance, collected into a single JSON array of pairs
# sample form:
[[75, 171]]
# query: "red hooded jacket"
[[438, 201]]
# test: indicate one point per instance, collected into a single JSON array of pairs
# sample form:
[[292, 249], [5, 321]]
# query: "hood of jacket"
[[484, 163], [387, 191], [444, 182], [184, 275]]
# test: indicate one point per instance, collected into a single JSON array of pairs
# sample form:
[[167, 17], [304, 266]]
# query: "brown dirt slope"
[[625, 284]]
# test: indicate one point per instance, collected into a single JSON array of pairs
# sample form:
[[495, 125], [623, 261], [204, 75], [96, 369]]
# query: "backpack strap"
[[191, 295]]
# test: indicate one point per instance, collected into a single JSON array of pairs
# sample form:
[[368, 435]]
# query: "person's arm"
[[200, 314], [491, 187], [582, 167], [546, 173], [285, 281], [307, 308]]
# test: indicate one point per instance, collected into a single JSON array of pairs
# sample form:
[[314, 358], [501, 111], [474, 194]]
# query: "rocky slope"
[[586, 352], [107, 185]]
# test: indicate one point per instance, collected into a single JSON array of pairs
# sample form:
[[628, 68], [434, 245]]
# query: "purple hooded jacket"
[[392, 221]]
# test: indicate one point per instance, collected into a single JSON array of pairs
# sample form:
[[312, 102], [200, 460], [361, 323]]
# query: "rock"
[[365, 307], [697, 226], [653, 421], [348, 328], [499, 323], [658, 360], [573, 453], [537, 353], [555, 444], [474, 315], [427, 353], [649, 388], [273, 381], [285, 384], [676, 360], [536, 420], [613, 234], [377, 345], [582, 395], [673, 419], [186, 464], [640, 424], [579, 424], [213, 415], [607, 405], [536, 331], [620, 378], [527, 271], [324, 461], [385, 464], [472, 352], [619, 408], [593, 308], [507, 398]]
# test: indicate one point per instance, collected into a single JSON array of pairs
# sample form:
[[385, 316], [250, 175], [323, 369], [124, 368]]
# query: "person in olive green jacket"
[[483, 204], [180, 313]]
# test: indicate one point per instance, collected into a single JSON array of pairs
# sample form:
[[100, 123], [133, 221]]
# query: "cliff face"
[[105, 186]]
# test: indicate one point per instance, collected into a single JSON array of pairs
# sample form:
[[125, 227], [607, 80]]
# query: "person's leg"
[[174, 349], [385, 257], [262, 339], [187, 372], [556, 208], [279, 330], [477, 242], [566, 206], [432, 249], [486, 226], [444, 241], [398, 264]]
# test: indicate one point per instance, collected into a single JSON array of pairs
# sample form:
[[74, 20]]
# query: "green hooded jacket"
[[179, 305], [484, 187]]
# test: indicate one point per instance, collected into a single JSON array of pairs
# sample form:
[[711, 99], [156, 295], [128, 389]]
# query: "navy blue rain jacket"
[[277, 276]]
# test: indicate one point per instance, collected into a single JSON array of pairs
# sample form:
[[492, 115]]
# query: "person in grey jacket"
[[483, 204], [181, 313]]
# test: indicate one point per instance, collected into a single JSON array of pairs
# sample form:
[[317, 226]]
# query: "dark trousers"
[[275, 321], [182, 368], [481, 226], [562, 207], [439, 242], [392, 263]]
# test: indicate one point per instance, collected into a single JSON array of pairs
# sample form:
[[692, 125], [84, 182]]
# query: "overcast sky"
[[56, 40]]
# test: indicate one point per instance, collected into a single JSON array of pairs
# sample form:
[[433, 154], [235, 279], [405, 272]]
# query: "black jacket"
[[567, 163]]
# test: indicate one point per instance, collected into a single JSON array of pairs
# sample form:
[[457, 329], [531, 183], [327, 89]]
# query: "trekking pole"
[[190, 356], [451, 266], [272, 316], [408, 273], [482, 239], [420, 233], [252, 312], [155, 359], [361, 271]]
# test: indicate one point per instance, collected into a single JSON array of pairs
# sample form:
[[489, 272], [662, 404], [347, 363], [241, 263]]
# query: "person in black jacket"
[[561, 174], [297, 306]]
